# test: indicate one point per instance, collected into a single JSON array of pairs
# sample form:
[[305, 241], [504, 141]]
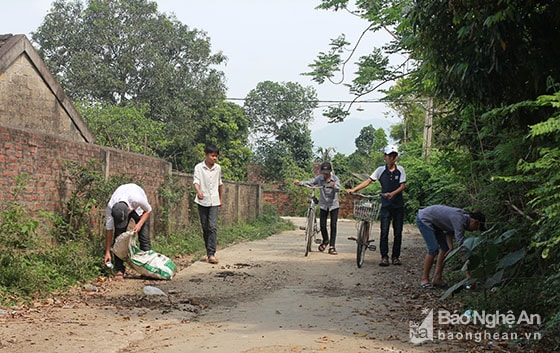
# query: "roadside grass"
[[34, 270], [191, 242]]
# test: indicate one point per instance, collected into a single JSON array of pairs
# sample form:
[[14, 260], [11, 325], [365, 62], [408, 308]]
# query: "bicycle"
[[365, 210], [311, 228]]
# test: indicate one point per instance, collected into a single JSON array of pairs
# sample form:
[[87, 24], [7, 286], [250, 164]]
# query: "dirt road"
[[263, 296]]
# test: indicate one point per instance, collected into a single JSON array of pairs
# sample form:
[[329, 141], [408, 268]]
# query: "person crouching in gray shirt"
[[437, 223]]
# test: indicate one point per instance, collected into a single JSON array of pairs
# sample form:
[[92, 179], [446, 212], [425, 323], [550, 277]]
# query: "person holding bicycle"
[[328, 204], [393, 181]]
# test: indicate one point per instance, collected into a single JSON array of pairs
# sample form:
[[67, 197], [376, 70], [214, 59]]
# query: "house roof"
[[12, 47]]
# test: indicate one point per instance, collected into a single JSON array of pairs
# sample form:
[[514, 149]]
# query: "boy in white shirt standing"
[[208, 185]]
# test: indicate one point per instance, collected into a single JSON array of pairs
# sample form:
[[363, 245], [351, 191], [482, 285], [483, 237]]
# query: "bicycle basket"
[[366, 210]]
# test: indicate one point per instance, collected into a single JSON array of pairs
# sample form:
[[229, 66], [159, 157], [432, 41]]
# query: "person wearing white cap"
[[129, 201], [393, 182]]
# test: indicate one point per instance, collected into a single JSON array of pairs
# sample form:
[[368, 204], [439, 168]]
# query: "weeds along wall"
[[44, 158]]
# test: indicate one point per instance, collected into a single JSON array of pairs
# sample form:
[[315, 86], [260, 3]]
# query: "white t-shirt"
[[135, 198], [208, 179]]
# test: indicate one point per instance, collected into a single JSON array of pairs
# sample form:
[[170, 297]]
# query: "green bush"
[[17, 229], [32, 269]]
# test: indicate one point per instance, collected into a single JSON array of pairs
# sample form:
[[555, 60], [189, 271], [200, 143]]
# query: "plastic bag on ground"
[[151, 290], [120, 247], [150, 263]]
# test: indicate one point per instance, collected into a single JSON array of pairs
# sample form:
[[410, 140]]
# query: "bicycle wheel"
[[362, 243], [309, 230]]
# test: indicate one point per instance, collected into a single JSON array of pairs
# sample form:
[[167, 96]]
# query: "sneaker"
[[396, 261], [384, 262]]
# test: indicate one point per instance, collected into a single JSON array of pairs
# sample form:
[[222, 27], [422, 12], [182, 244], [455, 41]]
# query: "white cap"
[[391, 148]]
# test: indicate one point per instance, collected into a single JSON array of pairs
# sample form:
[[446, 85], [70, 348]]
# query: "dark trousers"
[[143, 238], [323, 225], [386, 215], [209, 222]]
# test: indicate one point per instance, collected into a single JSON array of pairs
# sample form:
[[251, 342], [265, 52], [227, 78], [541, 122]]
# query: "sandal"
[[332, 251], [323, 246], [426, 285], [119, 276]]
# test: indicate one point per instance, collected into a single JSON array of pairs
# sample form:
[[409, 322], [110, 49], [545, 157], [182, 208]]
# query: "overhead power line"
[[320, 101]]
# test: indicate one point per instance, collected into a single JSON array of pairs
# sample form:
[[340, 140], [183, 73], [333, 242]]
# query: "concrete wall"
[[242, 201], [36, 108], [31, 98]]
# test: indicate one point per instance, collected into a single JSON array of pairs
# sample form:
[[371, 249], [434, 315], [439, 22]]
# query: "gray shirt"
[[328, 198], [447, 219]]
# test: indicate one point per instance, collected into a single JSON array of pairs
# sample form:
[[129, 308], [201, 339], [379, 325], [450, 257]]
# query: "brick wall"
[[43, 157], [279, 199], [282, 201]]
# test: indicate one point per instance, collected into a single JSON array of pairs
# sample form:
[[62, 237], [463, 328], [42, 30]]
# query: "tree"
[[370, 140], [404, 98], [124, 128], [473, 50], [278, 115], [122, 51], [272, 105], [324, 154], [376, 68], [226, 126]]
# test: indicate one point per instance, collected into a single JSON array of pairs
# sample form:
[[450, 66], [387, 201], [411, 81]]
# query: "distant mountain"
[[342, 135]]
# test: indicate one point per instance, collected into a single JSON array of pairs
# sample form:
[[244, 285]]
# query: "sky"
[[264, 40]]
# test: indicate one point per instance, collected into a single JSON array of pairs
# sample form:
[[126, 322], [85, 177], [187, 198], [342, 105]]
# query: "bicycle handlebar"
[[364, 196], [315, 186]]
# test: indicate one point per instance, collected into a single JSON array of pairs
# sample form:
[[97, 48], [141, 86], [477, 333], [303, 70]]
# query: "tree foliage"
[[374, 69], [272, 105], [490, 69], [125, 128], [278, 115], [371, 141], [365, 140], [118, 53], [472, 50], [226, 126], [121, 51], [540, 174]]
